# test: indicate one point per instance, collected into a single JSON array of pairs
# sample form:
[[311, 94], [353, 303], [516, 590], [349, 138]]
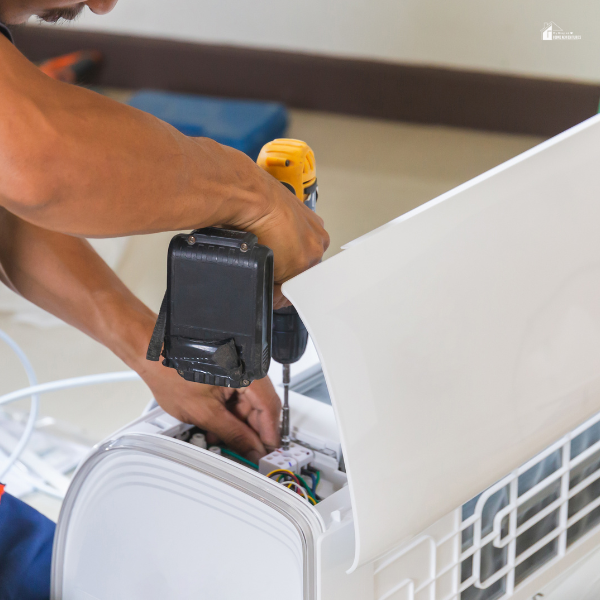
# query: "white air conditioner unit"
[[461, 349]]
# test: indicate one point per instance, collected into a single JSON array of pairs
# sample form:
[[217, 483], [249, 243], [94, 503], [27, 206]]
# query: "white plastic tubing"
[[33, 411], [64, 384], [35, 389]]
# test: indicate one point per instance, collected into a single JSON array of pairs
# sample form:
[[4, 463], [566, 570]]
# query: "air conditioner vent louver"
[[501, 539]]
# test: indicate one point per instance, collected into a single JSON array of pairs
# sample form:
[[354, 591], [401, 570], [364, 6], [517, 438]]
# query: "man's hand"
[[246, 420], [294, 232]]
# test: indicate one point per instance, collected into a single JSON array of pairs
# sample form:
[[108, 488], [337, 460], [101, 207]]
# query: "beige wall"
[[495, 35]]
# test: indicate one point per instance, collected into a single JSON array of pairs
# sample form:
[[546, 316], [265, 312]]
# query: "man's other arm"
[[65, 276]]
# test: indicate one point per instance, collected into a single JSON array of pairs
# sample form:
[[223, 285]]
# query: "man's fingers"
[[238, 406], [212, 439], [235, 434]]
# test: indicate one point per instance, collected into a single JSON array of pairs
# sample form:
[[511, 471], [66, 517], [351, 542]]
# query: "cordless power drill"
[[216, 324], [292, 162]]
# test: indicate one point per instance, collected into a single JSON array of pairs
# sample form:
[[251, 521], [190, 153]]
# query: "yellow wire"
[[289, 485], [282, 471], [310, 498]]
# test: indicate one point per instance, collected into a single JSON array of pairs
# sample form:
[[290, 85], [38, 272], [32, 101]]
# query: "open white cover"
[[464, 337]]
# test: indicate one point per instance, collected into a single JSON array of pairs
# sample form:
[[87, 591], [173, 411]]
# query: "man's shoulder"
[[4, 31]]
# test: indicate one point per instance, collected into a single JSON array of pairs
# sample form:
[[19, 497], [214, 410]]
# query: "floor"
[[369, 172]]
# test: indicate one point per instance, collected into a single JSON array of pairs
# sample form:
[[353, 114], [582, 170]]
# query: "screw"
[[537, 597], [287, 163], [244, 247], [245, 382], [180, 372], [191, 240]]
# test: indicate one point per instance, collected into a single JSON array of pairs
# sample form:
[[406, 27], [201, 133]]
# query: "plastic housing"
[[462, 338]]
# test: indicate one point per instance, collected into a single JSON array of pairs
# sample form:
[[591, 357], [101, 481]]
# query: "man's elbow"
[[29, 180]]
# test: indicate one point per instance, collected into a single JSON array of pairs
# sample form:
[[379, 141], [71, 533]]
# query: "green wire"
[[305, 486], [301, 480], [312, 492], [300, 476], [254, 466], [317, 475], [243, 460]]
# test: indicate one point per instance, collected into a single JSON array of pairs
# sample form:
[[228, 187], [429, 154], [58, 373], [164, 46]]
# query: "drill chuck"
[[289, 336]]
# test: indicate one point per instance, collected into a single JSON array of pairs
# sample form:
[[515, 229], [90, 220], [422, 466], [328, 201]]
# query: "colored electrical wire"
[[281, 471], [286, 473], [291, 478], [313, 479], [307, 488], [283, 476], [295, 478], [315, 475], [289, 475], [299, 489], [311, 496], [239, 457], [303, 490]]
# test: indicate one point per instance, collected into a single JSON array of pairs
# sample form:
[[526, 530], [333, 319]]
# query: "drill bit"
[[285, 416]]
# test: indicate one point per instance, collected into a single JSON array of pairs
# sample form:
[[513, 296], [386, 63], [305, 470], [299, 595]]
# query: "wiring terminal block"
[[292, 460]]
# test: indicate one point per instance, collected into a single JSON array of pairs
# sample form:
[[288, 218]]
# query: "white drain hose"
[[33, 411], [34, 390]]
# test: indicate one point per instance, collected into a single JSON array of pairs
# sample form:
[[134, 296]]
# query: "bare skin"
[[18, 11], [79, 163], [64, 275], [73, 164]]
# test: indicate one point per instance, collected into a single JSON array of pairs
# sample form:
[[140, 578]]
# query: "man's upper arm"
[[25, 134], [76, 162]]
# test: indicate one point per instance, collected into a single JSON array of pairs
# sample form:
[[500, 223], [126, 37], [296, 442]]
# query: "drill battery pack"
[[215, 321]]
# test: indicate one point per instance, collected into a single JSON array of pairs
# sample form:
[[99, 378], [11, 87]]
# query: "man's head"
[[13, 12]]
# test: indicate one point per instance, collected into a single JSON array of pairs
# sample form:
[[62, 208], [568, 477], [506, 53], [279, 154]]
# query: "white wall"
[[494, 35]]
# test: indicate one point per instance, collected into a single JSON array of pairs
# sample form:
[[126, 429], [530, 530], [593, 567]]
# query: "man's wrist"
[[127, 331], [245, 192]]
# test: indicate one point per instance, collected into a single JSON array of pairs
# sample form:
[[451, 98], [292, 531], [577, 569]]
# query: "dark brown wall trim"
[[356, 87]]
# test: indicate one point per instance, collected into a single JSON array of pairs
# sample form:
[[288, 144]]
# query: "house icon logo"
[[549, 29]]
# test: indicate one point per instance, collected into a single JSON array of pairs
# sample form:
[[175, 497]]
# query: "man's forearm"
[[63, 148], [65, 276]]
